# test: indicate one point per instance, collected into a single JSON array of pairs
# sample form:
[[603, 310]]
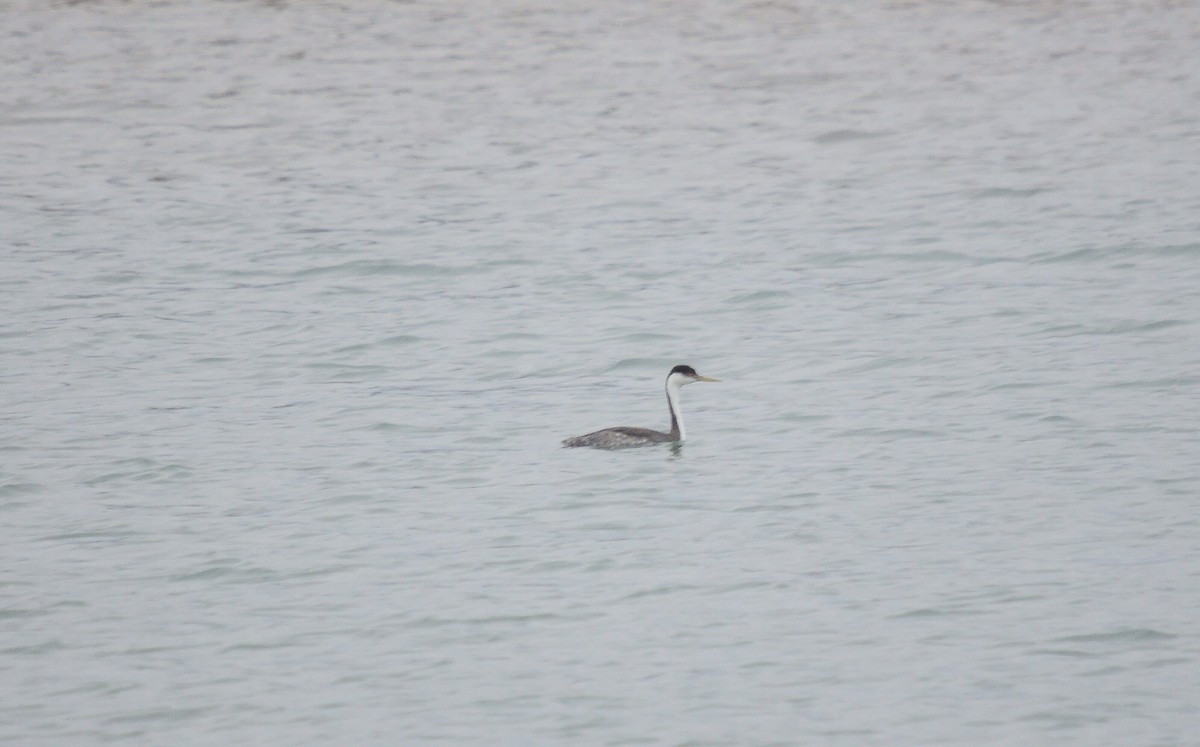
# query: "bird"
[[624, 437]]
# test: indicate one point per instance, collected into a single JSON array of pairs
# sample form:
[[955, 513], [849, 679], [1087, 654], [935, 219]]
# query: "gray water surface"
[[298, 300]]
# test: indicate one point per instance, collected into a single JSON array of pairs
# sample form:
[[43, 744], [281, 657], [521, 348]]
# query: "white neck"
[[674, 383]]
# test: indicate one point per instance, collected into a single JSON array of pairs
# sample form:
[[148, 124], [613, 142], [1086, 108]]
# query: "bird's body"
[[621, 438], [625, 437]]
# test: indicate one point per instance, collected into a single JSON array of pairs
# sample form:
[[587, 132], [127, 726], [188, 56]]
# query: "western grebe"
[[621, 438]]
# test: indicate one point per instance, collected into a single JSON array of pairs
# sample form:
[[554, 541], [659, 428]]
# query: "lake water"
[[298, 300]]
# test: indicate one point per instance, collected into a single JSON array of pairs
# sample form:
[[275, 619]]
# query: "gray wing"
[[619, 438]]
